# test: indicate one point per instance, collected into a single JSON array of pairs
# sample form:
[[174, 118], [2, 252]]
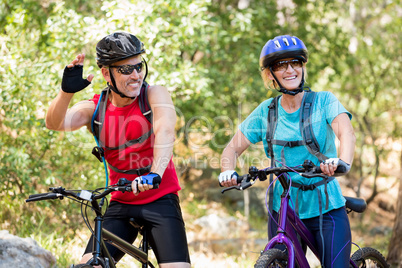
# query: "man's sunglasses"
[[284, 64], [129, 68]]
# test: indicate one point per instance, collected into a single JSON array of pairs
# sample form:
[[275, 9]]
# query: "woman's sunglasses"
[[129, 68], [284, 64]]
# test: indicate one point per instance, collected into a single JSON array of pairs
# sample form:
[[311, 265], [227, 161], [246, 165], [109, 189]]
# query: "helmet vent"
[[294, 41], [285, 40], [277, 44]]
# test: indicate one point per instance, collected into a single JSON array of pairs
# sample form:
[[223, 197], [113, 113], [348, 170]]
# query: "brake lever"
[[242, 186], [57, 190], [311, 174], [237, 187], [123, 182]]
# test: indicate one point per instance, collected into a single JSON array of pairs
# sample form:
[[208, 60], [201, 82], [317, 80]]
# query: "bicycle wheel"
[[369, 257], [272, 258], [81, 266]]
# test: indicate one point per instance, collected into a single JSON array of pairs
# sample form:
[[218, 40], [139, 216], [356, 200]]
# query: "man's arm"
[[58, 116], [164, 122]]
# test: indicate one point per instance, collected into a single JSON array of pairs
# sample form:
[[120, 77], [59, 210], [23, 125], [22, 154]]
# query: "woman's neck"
[[291, 103]]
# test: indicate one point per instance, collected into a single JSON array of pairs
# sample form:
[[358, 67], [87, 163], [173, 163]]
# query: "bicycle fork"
[[98, 242], [286, 235]]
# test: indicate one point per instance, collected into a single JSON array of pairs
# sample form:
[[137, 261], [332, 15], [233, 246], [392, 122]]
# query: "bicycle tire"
[[272, 258], [369, 257], [81, 266]]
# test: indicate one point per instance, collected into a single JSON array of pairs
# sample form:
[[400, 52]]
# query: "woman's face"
[[288, 72]]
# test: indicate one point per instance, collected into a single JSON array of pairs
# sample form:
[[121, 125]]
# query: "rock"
[[215, 227], [381, 230], [19, 252]]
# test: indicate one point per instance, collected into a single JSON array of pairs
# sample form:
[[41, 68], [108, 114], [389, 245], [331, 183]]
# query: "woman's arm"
[[343, 130], [233, 150]]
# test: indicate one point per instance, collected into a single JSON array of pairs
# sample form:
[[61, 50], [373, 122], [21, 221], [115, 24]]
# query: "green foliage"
[[206, 53]]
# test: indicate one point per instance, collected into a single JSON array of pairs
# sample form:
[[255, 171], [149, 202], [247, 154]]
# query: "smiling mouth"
[[134, 83], [290, 78]]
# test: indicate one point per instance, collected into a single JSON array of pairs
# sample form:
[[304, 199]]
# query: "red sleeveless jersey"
[[127, 123]]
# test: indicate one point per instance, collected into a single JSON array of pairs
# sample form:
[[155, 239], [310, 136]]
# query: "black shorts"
[[163, 221]]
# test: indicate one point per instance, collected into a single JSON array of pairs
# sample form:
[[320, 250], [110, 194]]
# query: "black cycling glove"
[[72, 79]]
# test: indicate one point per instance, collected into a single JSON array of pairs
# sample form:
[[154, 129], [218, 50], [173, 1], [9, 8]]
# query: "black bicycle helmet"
[[117, 46], [281, 47]]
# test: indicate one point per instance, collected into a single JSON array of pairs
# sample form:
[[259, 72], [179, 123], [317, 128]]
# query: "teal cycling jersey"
[[326, 107]]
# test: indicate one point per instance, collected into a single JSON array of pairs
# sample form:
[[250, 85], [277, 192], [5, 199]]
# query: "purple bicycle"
[[290, 225]]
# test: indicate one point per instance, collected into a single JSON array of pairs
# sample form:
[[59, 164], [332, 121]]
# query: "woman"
[[283, 65]]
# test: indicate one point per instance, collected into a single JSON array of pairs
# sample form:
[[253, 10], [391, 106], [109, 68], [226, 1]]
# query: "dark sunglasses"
[[129, 68], [283, 65]]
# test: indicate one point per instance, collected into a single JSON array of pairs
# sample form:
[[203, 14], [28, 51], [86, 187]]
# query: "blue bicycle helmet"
[[281, 47]]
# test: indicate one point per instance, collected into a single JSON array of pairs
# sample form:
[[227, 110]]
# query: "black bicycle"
[[90, 199]]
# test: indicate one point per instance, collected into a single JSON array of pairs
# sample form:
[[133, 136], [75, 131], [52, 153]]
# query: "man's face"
[[128, 83]]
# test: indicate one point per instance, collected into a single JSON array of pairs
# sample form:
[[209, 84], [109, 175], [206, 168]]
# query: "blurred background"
[[206, 53]]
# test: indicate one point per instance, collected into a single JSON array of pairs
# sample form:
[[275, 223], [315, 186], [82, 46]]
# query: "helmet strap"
[[146, 68], [284, 90], [114, 87]]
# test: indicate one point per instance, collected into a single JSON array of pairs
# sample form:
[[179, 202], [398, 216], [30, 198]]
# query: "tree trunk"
[[395, 245]]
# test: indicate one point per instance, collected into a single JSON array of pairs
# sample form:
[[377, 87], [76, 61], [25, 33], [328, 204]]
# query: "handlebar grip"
[[156, 181], [317, 169], [342, 168], [39, 197], [238, 180], [241, 178]]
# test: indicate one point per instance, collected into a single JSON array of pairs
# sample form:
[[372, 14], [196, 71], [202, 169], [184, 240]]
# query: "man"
[[134, 147]]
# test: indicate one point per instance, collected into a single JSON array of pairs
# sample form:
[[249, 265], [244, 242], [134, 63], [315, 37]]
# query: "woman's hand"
[[329, 166], [228, 178]]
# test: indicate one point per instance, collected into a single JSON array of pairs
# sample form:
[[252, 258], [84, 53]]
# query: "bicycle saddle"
[[355, 204]]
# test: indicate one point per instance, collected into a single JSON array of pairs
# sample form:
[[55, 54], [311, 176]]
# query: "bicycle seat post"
[[142, 230], [144, 244]]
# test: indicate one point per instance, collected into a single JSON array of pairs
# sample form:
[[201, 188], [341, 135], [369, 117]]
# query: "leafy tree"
[[206, 53]]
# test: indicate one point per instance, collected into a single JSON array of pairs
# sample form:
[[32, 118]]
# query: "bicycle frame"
[[289, 225], [287, 235], [99, 246], [100, 254]]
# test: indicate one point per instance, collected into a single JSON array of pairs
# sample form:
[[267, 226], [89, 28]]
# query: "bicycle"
[[290, 225], [100, 255]]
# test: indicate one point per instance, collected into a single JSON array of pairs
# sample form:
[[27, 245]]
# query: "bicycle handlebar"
[[46, 196], [307, 170], [123, 185]]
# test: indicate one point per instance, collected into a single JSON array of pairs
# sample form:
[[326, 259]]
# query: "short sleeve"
[[254, 127], [333, 107]]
